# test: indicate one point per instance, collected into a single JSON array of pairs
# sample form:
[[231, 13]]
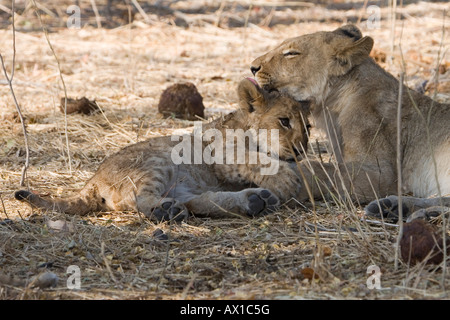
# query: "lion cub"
[[166, 179]]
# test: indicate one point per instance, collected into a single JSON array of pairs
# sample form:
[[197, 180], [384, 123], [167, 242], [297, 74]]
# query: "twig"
[[399, 168], [105, 261], [219, 13], [45, 9], [141, 11], [188, 286], [166, 258], [444, 220], [22, 120], [361, 12], [3, 205], [14, 41], [382, 223], [392, 18], [97, 16], [276, 3], [430, 144], [6, 9], [62, 81]]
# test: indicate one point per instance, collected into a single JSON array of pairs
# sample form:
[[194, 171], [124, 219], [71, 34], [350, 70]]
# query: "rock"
[[420, 240], [82, 105], [43, 281], [158, 234], [183, 101], [46, 280]]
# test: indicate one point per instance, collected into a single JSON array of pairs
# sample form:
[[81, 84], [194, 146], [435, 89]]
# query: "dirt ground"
[[292, 254]]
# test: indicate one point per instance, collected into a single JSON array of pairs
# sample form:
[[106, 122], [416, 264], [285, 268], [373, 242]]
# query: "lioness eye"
[[285, 122], [291, 53]]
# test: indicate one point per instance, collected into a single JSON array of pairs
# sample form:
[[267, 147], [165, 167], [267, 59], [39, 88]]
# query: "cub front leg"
[[251, 202], [281, 178]]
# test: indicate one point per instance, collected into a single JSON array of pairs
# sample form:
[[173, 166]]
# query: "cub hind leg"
[[170, 209], [161, 208], [152, 202], [251, 202]]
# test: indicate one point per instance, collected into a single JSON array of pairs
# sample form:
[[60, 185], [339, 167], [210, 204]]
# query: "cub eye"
[[285, 122], [290, 54]]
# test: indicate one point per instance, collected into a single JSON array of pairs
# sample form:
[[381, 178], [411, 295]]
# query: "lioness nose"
[[254, 70]]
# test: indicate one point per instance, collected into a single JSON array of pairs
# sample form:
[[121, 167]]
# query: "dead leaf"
[[378, 55], [309, 273], [326, 251]]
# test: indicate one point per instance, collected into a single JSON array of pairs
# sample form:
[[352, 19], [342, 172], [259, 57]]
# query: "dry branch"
[[9, 79], [399, 169], [97, 16], [62, 81]]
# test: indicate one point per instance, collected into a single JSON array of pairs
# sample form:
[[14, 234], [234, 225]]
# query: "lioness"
[[144, 176], [355, 102]]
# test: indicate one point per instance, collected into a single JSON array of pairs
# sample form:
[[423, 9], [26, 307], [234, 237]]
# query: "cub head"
[[302, 66], [264, 110]]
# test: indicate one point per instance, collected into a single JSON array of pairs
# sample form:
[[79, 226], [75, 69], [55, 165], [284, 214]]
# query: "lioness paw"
[[170, 210], [261, 202], [430, 213], [386, 208]]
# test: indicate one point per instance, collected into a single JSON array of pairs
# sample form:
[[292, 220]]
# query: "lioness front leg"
[[430, 213], [388, 207], [354, 181], [250, 202]]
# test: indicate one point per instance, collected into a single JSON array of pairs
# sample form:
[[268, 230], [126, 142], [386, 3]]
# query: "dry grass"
[[125, 69]]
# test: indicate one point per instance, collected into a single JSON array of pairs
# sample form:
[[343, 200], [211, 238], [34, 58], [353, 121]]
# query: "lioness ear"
[[347, 55], [349, 30], [304, 106], [251, 96]]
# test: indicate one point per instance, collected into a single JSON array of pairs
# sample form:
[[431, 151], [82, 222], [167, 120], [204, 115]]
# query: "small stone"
[[420, 240], [160, 235], [83, 105], [183, 101]]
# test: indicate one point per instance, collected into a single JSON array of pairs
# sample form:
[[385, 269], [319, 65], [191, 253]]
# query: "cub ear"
[[251, 96], [347, 55]]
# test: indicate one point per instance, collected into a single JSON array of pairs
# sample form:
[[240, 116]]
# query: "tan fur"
[[143, 176], [355, 103]]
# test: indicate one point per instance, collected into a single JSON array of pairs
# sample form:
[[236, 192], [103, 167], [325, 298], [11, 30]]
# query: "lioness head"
[[302, 66], [264, 110]]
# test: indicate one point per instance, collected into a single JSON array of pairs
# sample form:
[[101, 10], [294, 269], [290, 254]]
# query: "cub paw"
[[170, 210], [386, 208], [261, 202], [285, 189]]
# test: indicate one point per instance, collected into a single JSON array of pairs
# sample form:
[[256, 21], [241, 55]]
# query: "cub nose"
[[254, 70]]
